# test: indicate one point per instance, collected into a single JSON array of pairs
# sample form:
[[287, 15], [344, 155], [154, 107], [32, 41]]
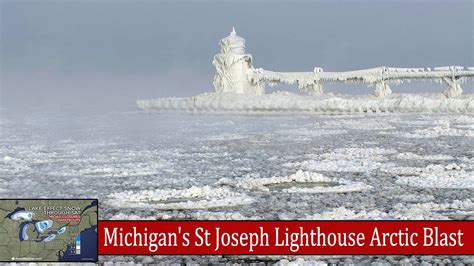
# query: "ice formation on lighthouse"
[[239, 87], [233, 66]]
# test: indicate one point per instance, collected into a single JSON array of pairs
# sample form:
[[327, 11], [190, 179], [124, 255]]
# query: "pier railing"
[[381, 77]]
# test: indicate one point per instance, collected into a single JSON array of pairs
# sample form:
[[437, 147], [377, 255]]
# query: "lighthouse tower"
[[233, 66]]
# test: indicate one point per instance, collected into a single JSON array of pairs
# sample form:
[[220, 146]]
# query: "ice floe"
[[344, 160], [174, 199], [432, 210], [400, 211], [302, 182], [299, 177], [436, 176]]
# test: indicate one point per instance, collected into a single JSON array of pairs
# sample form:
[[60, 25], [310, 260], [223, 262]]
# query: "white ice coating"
[[311, 82], [290, 102], [235, 74], [233, 66], [241, 87]]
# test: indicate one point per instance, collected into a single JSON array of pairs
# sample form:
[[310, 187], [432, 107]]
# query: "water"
[[171, 161]]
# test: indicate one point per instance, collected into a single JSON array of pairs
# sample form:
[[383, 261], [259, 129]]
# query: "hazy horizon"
[[103, 55]]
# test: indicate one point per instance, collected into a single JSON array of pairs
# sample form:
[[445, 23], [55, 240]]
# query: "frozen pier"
[[380, 77], [239, 87]]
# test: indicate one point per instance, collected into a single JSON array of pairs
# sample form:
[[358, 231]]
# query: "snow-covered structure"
[[239, 87], [235, 74], [380, 77], [233, 66]]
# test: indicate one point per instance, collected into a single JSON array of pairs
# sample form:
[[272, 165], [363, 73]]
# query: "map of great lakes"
[[48, 230]]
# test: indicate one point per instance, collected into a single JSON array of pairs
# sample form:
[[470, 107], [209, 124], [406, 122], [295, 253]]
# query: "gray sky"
[[73, 55]]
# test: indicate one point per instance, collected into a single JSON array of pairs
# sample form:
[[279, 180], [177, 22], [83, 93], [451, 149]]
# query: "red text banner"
[[285, 237]]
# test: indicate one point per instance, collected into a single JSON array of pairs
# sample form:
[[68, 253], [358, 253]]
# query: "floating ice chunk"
[[443, 179], [392, 168], [343, 187], [433, 176], [298, 177], [303, 182], [430, 210], [172, 199], [345, 160], [404, 211], [7, 159]]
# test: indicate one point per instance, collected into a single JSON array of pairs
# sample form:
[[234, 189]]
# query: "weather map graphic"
[[48, 230]]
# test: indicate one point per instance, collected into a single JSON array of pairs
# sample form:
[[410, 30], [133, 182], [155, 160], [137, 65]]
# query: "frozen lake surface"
[[178, 166]]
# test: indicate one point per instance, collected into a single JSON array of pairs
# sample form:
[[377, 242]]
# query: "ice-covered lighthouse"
[[233, 67], [240, 87]]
